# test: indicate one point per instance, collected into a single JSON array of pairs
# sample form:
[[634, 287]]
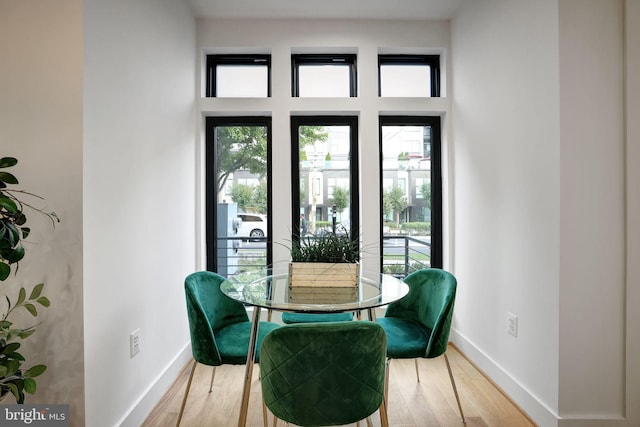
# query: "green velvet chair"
[[324, 374], [290, 318], [219, 326], [418, 324]]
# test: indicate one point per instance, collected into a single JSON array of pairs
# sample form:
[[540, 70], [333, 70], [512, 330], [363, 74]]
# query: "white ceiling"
[[348, 9]]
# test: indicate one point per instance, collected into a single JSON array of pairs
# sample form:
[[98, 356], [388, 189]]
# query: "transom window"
[[323, 75], [409, 75], [239, 76]]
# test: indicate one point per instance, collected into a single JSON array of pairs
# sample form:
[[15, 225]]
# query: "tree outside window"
[[395, 202]]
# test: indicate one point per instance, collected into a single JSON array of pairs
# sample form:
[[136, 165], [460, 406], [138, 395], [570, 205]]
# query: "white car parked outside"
[[251, 225]]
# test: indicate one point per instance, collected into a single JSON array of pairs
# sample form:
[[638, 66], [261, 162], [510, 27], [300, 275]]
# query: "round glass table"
[[275, 293]]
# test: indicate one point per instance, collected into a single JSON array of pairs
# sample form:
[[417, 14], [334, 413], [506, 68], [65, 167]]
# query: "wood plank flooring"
[[430, 402]]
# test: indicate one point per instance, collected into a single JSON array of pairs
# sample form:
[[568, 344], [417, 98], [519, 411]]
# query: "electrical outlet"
[[512, 324], [134, 342]]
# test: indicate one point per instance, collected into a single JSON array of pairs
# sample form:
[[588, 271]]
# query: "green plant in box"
[[329, 261], [14, 378], [332, 247]]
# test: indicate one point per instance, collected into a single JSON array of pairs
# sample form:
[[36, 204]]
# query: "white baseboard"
[[142, 407], [540, 413]]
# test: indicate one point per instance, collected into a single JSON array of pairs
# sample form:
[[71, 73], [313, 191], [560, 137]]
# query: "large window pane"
[[238, 209], [411, 194], [325, 166]]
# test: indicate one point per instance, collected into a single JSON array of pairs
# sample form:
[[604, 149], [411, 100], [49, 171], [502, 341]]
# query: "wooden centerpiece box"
[[324, 270], [323, 282]]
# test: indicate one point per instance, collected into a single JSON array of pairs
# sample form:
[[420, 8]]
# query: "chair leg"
[[455, 389], [417, 373], [213, 374], [264, 414], [386, 381], [186, 393], [384, 419]]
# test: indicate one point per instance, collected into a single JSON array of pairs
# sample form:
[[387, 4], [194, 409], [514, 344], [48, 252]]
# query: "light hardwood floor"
[[430, 402]]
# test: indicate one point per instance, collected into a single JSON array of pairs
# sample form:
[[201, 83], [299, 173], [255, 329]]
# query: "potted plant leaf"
[[15, 379]]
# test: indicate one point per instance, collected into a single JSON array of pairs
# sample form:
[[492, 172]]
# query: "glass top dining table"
[[273, 292]]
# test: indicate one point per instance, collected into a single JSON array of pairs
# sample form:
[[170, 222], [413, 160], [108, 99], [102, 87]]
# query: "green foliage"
[[394, 201], [309, 135], [303, 194], [328, 248], [240, 147], [400, 270], [13, 219], [417, 227], [12, 378], [250, 198], [245, 148], [340, 198], [260, 197], [242, 195], [390, 224], [425, 188], [13, 230], [324, 224]]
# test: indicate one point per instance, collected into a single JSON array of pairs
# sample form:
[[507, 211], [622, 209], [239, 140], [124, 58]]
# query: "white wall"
[[506, 150], [41, 125], [541, 175], [632, 154], [592, 210], [139, 201]]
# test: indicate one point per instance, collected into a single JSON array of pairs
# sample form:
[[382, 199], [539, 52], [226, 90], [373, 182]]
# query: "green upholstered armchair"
[[219, 326], [418, 325], [324, 374]]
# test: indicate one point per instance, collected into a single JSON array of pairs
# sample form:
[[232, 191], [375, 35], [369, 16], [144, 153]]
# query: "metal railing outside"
[[402, 254], [246, 258], [242, 257]]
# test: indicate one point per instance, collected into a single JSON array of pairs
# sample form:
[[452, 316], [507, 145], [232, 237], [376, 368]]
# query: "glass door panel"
[[407, 196], [326, 167], [238, 204]]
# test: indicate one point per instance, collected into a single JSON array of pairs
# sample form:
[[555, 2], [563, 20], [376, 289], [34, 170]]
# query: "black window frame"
[[435, 122], [433, 61], [214, 60], [324, 59], [211, 182], [354, 174]]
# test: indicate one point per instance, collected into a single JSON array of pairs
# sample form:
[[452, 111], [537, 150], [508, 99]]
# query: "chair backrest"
[[430, 301], [208, 309], [324, 374]]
